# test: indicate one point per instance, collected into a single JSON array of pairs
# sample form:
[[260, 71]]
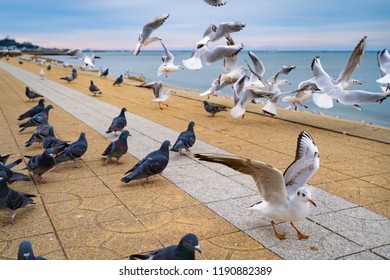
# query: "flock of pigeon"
[[285, 195]]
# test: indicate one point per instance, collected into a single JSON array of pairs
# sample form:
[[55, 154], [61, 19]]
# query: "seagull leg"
[[300, 234], [159, 105], [277, 234]]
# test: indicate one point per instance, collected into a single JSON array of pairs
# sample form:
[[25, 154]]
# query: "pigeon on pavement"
[[52, 144], [13, 176], [213, 108], [26, 252], [40, 164], [185, 140], [40, 133], [118, 123], [74, 151], [154, 163], [118, 81], [11, 200], [94, 89], [32, 94], [185, 250], [38, 119], [103, 73], [117, 148], [33, 111]]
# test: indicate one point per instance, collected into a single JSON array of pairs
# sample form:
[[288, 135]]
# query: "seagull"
[[215, 3], [214, 89], [285, 195], [167, 66], [144, 38], [213, 33], [42, 74], [304, 92], [156, 86], [336, 91], [210, 55], [384, 67], [88, 60], [344, 77], [163, 97]]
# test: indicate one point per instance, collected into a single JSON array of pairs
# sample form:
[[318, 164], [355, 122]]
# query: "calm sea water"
[[147, 62]]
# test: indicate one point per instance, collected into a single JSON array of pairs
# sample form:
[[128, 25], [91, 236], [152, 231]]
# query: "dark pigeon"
[[213, 108], [32, 94], [104, 73], [3, 159], [26, 252], [118, 123], [94, 89], [118, 81], [11, 200], [40, 164], [71, 77], [13, 176], [184, 251], [117, 148], [154, 163], [52, 144], [74, 151], [40, 133], [38, 119], [48, 67], [185, 140], [33, 111]]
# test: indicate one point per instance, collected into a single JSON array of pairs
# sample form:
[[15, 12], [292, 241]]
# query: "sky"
[[270, 24]]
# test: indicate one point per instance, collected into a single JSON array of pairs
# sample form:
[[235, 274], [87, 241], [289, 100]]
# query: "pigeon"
[[11, 200], [48, 67], [40, 133], [118, 81], [38, 119], [144, 38], [285, 195], [103, 73], [32, 94], [184, 251], [52, 144], [39, 164], [185, 140], [3, 159], [117, 148], [71, 77], [74, 151], [215, 3], [26, 252], [213, 108], [154, 163], [13, 176], [94, 89], [33, 111], [118, 123]]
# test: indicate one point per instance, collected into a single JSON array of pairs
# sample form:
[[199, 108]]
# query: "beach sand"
[[355, 165]]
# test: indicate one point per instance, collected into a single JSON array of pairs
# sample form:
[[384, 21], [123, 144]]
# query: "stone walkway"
[[116, 219]]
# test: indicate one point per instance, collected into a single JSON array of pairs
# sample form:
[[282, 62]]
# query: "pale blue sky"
[[270, 24]]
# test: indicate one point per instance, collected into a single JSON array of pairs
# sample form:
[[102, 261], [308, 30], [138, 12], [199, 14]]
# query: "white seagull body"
[[285, 196], [168, 66]]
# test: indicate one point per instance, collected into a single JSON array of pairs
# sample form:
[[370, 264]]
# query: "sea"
[[147, 62]]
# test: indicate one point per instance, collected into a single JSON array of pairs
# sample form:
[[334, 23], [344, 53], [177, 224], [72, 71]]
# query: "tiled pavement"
[[88, 213]]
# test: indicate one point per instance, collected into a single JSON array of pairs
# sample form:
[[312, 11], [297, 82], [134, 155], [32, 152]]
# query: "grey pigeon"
[[11, 200], [3, 159], [38, 119], [32, 94], [40, 133], [104, 73], [13, 176], [185, 250], [94, 89], [52, 144], [71, 77], [118, 123], [40, 164], [117, 148], [26, 252], [33, 111], [185, 140], [213, 108], [154, 163], [48, 67], [118, 81], [74, 151]]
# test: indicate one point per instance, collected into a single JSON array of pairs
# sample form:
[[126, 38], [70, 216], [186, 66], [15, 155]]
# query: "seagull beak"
[[197, 248], [312, 202]]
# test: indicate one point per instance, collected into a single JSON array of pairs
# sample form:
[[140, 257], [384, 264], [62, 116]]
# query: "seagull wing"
[[269, 180], [323, 80], [153, 25], [305, 164]]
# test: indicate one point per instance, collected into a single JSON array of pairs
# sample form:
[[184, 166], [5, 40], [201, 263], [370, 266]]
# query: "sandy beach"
[[117, 220]]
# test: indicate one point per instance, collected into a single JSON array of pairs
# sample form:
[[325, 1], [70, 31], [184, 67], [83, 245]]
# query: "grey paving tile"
[[383, 251], [366, 255]]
